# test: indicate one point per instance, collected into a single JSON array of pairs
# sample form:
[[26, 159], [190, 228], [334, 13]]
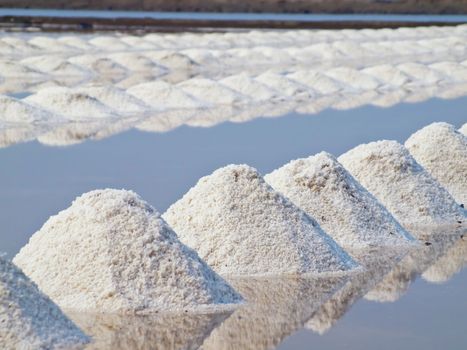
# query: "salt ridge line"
[[404, 187], [127, 260], [24, 121], [24, 45], [29, 319], [159, 62]]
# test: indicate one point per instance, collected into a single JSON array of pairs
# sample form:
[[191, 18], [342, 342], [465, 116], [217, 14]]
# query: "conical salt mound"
[[392, 175], [241, 226], [344, 209], [111, 252], [442, 151], [463, 129], [29, 319]]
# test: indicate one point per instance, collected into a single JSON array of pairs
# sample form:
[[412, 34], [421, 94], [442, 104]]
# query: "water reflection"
[[377, 263], [443, 253], [276, 308], [164, 332]]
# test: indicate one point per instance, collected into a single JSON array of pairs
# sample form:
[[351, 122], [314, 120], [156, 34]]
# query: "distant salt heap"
[[442, 150], [71, 104], [111, 252], [344, 209], [13, 110], [391, 174], [241, 226], [29, 319]]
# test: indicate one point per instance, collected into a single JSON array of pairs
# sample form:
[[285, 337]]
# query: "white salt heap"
[[29, 319], [442, 151], [13, 110], [111, 252], [463, 129], [241, 226], [392, 175], [344, 209]]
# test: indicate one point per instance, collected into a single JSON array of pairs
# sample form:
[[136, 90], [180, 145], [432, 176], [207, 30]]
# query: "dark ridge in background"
[[259, 6]]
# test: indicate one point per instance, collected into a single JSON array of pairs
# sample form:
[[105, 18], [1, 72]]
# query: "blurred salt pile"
[[125, 259], [392, 175], [463, 129], [344, 209], [29, 319], [442, 151], [241, 226]]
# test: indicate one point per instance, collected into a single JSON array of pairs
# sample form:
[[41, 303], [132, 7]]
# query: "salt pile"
[[442, 151], [392, 175], [240, 226], [71, 104], [111, 252], [463, 129], [29, 319], [210, 91], [16, 111], [344, 209]]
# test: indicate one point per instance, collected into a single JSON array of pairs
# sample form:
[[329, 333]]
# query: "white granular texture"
[[29, 319], [210, 91], [344, 209], [391, 174], [463, 129], [13, 110], [442, 151], [111, 252], [241, 226], [71, 104]]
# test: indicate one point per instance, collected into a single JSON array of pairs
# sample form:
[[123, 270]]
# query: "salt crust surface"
[[344, 209], [29, 319], [240, 226], [442, 151], [404, 187], [111, 252]]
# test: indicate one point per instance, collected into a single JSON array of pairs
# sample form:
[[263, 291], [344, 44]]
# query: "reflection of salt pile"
[[397, 282], [463, 129], [391, 174], [125, 259], [240, 225], [442, 150], [449, 264], [377, 262], [344, 209], [29, 319], [276, 308], [71, 104], [162, 331]]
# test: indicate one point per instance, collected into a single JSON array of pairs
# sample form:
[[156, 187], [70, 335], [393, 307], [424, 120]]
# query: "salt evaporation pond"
[[52, 152]]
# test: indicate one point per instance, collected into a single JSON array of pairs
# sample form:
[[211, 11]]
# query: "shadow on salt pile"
[[162, 331], [434, 254], [276, 308], [378, 262]]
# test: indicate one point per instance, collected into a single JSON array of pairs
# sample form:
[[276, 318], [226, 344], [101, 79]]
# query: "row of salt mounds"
[[392, 175], [29, 319], [240, 226], [125, 259], [442, 150], [344, 209]]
